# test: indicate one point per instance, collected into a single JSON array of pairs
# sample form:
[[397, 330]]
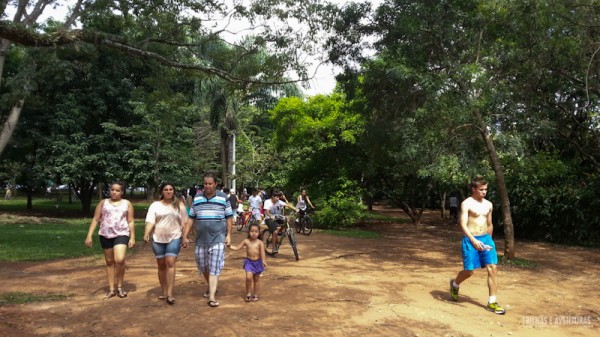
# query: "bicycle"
[[245, 219], [267, 237], [305, 223]]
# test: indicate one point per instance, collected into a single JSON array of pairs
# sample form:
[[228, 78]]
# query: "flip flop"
[[248, 298], [170, 300], [162, 297], [254, 298], [121, 293], [110, 294], [213, 304]]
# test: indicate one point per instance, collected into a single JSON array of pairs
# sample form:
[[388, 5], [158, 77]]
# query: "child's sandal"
[[121, 293]]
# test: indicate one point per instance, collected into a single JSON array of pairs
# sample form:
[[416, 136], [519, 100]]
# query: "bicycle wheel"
[[307, 225], [292, 238], [298, 224], [240, 222], [267, 239]]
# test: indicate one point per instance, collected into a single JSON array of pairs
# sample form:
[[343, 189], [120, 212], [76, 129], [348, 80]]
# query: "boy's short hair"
[[478, 181]]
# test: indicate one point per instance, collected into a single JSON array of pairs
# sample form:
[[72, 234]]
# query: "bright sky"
[[324, 78]]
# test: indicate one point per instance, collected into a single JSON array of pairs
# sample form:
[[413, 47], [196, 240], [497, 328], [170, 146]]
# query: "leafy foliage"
[[342, 207]]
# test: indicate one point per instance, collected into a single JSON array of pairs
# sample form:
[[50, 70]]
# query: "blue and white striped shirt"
[[211, 215]]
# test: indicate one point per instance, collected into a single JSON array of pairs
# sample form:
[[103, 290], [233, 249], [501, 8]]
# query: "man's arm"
[[229, 227], [186, 231], [291, 206], [464, 220]]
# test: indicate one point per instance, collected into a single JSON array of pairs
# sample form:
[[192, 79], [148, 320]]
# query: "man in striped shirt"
[[212, 216]]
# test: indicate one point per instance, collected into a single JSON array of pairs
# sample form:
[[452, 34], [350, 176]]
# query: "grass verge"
[[42, 239], [517, 263], [21, 298]]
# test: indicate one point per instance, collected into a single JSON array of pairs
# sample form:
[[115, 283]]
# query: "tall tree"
[[26, 15], [287, 30]]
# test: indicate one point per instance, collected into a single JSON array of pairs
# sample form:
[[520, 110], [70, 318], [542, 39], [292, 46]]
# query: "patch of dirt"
[[394, 285]]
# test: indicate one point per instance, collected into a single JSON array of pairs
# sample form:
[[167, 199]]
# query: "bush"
[[553, 201], [343, 208]]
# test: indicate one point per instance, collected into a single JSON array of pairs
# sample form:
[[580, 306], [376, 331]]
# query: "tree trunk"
[[443, 204], [86, 192], [29, 197], [225, 160], [509, 235], [10, 124]]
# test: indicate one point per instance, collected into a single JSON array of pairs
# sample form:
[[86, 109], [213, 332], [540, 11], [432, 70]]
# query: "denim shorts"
[[107, 243], [166, 249]]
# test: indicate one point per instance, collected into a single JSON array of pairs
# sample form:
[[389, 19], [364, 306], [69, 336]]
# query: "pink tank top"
[[113, 221]]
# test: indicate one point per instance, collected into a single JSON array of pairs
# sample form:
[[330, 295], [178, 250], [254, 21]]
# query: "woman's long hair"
[[175, 202]]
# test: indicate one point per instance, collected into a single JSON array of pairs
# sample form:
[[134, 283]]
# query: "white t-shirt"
[[168, 223], [254, 201], [275, 209]]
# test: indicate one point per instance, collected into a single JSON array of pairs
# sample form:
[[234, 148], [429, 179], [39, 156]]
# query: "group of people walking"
[[168, 225]]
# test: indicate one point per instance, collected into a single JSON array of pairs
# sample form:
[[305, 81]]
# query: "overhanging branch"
[[23, 36]]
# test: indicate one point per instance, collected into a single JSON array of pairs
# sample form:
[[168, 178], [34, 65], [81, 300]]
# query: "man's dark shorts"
[[273, 224]]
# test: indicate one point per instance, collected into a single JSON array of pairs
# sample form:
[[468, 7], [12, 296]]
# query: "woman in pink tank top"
[[116, 234]]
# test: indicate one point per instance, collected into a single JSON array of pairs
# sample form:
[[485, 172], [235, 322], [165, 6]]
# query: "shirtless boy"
[[478, 248]]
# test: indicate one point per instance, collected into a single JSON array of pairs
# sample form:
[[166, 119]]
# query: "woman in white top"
[[165, 219]]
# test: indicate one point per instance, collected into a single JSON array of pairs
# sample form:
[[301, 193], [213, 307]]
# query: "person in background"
[[255, 203], [165, 220], [189, 201], [117, 233], [453, 202], [302, 205], [274, 216]]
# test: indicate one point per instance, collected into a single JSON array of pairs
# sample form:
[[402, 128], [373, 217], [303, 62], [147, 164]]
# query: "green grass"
[[27, 239], [20, 298], [352, 233], [52, 206], [372, 216], [517, 263]]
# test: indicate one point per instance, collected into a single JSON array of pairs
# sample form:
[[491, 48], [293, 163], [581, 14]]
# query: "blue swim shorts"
[[472, 258]]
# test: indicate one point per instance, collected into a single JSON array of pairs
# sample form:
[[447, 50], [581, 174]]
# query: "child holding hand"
[[254, 263]]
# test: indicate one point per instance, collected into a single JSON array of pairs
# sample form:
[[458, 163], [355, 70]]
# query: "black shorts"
[[110, 243], [273, 224]]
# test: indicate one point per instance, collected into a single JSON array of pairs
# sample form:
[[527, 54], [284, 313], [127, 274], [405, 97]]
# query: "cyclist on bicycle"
[[274, 217], [255, 203], [303, 200]]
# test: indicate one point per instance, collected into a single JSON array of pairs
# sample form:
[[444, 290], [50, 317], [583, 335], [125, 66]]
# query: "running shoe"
[[453, 291], [496, 308]]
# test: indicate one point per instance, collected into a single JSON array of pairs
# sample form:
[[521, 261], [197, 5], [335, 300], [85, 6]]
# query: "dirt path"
[[395, 285]]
